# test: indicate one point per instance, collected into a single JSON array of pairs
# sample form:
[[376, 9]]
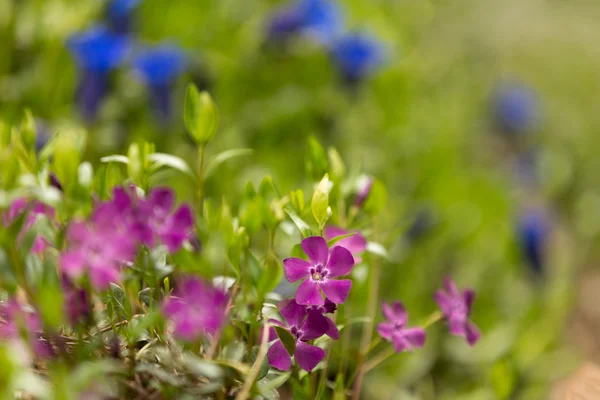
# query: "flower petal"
[[337, 290], [295, 269], [293, 313], [444, 302], [308, 293], [316, 249], [457, 326], [400, 343], [279, 357], [450, 287], [332, 329], [469, 298], [415, 336], [340, 262], [395, 313], [162, 197], [308, 356], [472, 333], [183, 219], [72, 263], [314, 327], [385, 330]]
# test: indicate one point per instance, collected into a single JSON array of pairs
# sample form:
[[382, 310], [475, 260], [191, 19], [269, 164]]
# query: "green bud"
[[201, 116]]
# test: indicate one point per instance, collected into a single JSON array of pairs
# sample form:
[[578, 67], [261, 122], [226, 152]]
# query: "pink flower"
[[456, 307], [98, 251], [318, 274], [19, 322], [33, 209], [364, 192], [395, 330], [356, 243], [196, 308], [304, 325]]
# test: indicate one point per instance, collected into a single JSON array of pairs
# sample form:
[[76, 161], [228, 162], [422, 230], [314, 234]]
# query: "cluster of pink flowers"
[[100, 246], [321, 290]]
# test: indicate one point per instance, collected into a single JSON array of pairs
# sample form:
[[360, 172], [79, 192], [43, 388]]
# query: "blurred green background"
[[422, 124]]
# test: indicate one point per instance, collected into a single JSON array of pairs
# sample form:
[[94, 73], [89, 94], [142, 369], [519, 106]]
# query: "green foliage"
[[200, 115]]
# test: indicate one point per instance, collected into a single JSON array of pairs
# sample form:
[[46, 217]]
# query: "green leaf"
[[336, 165], [271, 383], [202, 367], [270, 277], [220, 158], [317, 158], [299, 222], [200, 115], [168, 160], [115, 158], [338, 238], [320, 201], [377, 199], [264, 367], [286, 338], [297, 198], [377, 249], [28, 131]]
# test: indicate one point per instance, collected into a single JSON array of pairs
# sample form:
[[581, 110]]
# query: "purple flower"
[[98, 251], [119, 14], [533, 231], [321, 19], [395, 330], [318, 273], [19, 322], [291, 307], [304, 324], [456, 307], [363, 192], [159, 67], [515, 108], [357, 55], [76, 302], [196, 308], [150, 220], [97, 52], [356, 243], [33, 209]]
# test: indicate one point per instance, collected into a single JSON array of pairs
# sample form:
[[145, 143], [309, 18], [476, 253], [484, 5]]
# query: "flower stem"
[[251, 377], [368, 329], [200, 178]]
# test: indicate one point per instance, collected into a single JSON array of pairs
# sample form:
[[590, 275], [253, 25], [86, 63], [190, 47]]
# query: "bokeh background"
[[480, 117]]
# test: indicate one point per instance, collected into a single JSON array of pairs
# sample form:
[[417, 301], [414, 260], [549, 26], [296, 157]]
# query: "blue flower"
[[533, 230], [97, 52], [357, 55], [119, 15], [158, 67], [320, 19], [515, 108]]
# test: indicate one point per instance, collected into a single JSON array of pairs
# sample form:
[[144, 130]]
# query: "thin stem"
[[381, 357], [368, 329], [251, 377], [200, 177], [215, 342]]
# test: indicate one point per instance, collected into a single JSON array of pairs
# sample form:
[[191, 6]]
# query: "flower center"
[[317, 273]]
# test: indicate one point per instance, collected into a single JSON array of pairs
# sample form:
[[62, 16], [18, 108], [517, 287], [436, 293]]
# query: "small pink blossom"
[[394, 329], [456, 307]]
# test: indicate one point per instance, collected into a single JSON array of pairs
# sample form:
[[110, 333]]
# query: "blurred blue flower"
[[515, 108], [97, 52], [357, 56], [320, 19], [532, 231], [158, 67], [119, 13]]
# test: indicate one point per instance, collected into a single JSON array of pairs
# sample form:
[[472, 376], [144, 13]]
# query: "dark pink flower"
[[356, 243], [33, 209], [328, 308], [304, 325], [196, 308], [150, 220], [21, 322], [319, 272], [456, 307], [394, 329], [98, 251], [363, 192], [76, 302]]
